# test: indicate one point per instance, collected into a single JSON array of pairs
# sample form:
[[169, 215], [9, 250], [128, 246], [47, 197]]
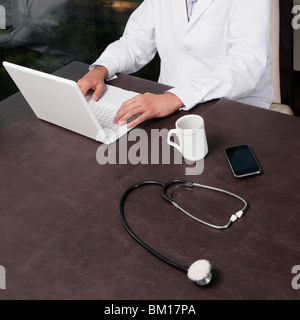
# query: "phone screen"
[[242, 161]]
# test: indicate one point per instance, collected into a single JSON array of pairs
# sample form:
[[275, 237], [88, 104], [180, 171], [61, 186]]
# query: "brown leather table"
[[61, 236]]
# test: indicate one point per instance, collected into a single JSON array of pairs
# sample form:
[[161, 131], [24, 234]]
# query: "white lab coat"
[[224, 51]]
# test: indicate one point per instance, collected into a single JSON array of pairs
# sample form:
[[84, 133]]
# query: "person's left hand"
[[147, 106]]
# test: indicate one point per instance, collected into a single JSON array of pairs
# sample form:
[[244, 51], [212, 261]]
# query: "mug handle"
[[171, 143]]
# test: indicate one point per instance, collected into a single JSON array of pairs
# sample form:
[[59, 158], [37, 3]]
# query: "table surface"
[[61, 236]]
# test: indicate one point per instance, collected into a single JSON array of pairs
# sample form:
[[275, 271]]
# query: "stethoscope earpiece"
[[200, 272]]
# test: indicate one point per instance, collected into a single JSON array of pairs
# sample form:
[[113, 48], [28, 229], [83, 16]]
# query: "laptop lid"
[[56, 100]]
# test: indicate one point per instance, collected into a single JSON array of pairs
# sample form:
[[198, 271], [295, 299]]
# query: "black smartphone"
[[242, 161]]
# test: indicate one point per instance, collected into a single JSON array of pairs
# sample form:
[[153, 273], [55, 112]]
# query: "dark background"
[[47, 35]]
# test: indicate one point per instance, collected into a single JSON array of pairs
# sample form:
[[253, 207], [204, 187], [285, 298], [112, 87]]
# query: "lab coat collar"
[[199, 9]]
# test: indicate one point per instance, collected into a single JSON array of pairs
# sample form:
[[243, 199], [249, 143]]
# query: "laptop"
[[60, 101]]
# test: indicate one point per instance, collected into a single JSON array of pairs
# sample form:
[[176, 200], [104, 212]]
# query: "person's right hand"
[[94, 80]]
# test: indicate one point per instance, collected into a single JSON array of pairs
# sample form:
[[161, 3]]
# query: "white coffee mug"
[[191, 136]]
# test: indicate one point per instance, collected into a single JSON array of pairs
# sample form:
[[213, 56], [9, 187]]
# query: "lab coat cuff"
[[111, 68], [188, 97]]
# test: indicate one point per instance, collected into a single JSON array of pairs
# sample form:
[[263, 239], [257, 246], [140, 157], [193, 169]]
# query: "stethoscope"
[[199, 271]]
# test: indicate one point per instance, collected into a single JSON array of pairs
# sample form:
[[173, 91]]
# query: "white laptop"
[[60, 101]]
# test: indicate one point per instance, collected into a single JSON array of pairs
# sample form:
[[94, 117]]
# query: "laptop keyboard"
[[104, 115]]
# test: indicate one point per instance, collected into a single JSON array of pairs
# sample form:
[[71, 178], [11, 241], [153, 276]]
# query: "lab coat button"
[[188, 49]]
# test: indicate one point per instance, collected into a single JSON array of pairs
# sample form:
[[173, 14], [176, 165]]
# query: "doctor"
[[208, 48]]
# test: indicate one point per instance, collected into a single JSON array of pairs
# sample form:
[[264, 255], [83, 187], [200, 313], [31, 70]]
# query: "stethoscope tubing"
[[130, 231]]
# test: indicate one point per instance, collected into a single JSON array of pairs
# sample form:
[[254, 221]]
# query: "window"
[[48, 34]]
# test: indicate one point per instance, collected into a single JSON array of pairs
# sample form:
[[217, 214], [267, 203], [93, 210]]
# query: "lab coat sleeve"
[[247, 41], [136, 47]]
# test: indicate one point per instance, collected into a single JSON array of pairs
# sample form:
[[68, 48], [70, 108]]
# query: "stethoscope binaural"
[[199, 271]]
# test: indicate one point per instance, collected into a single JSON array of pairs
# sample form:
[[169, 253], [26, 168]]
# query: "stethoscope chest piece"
[[200, 272]]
